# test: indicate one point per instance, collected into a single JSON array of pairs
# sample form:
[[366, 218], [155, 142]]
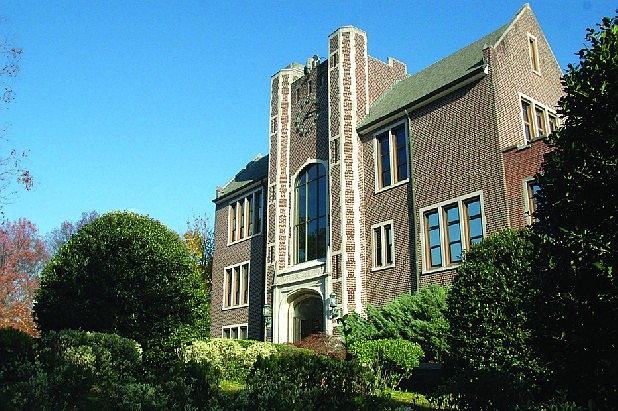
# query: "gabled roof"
[[434, 79], [254, 171]]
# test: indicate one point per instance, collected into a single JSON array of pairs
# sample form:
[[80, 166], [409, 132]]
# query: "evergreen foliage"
[[492, 359], [418, 317], [126, 274], [578, 218]]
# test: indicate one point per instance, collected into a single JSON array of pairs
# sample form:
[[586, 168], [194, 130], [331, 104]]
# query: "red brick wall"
[[520, 164]]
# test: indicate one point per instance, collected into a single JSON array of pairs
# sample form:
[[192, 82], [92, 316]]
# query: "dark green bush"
[[15, 347], [129, 275], [80, 364], [418, 317], [390, 360], [296, 380], [492, 357]]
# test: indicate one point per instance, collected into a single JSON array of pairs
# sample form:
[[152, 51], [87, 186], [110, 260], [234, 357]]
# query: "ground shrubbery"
[[232, 358], [389, 360], [418, 317], [301, 380]]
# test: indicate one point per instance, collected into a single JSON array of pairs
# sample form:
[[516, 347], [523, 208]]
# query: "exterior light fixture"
[[267, 315], [334, 308]]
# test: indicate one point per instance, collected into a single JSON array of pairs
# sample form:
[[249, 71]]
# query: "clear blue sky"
[[149, 105]]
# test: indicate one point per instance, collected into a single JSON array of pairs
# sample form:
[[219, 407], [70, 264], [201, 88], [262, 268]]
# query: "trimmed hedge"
[[389, 360]]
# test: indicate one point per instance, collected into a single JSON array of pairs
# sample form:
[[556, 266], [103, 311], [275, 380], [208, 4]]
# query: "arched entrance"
[[307, 316]]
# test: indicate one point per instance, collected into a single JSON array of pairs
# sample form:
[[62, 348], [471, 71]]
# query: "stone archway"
[[307, 316]]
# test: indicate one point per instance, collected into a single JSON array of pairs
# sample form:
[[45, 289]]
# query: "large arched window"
[[311, 197]]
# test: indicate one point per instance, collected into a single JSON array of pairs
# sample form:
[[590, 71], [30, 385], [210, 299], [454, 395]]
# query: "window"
[[235, 331], [531, 188], [537, 119], [236, 286], [245, 217], [382, 242], [449, 229], [311, 215], [391, 156], [534, 54]]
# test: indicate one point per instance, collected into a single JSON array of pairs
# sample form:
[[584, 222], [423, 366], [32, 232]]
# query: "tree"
[[578, 217], [22, 257], [56, 238], [492, 359], [126, 274], [199, 239], [11, 169]]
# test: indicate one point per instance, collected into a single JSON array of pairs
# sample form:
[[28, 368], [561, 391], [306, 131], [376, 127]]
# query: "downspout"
[[411, 205]]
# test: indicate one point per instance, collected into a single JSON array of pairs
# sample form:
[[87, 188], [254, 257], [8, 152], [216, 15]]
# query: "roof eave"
[[449, 88]]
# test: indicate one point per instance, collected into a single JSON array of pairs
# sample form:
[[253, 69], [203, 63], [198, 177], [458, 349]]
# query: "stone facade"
[[396, 150]]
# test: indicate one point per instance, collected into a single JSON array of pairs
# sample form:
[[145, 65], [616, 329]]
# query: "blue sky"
[[148, 106]]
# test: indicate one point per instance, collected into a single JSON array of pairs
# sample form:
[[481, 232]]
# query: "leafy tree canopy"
[[127, 274], [578, 216]]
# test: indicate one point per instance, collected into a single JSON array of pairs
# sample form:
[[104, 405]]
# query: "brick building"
[[377, 180]]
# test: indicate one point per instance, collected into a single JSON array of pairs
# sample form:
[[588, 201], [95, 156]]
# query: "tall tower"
[[348, 103]]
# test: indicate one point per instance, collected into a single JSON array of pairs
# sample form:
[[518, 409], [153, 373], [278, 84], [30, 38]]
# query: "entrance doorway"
[[308, 316]]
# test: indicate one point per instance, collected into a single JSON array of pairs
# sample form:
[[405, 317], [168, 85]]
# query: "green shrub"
[[492, 358], [82, 364], [232, 358], [417, 317], [390, 360], [126, 274], [297, 380], [15, 345]]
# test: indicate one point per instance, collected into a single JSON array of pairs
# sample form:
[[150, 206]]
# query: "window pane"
[[455, 252], [245, 283], [312, 203], [300, 242], [388, 234], [436, 258], [243, 332], [229, 286], [226, 333], [236, 283], [312, 172], [476, 230], [312, 239], [433, 219], [241, 211], [525, 108], [540, 121], [475, 221], [377, 238], [454, 233], [434, 237], [402, 158], [384, 158], [233, 222], [234, 332], [474, 208], [257, 226], [251, 211], [301, 203]]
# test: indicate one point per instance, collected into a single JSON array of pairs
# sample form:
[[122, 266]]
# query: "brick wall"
[[519, 164], [252, 250]]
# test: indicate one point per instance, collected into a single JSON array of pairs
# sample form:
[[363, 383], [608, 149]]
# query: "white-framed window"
[[236, 286], [531, 188], [311, 213], [537, 119], [391, 156], [245, 217], [236, 331], [382, 245], [449, 228], [533, 51]]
